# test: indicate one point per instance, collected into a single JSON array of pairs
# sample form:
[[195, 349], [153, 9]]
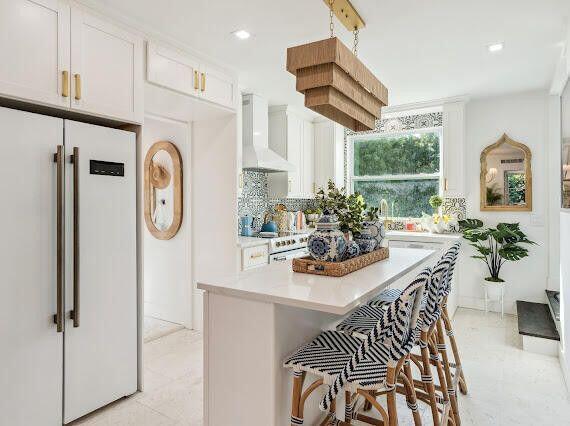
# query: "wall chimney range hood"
[[255, 131]]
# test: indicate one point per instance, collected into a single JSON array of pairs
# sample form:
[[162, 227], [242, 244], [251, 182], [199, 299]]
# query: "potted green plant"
[[495, 246], [347, 208], [435, 201]]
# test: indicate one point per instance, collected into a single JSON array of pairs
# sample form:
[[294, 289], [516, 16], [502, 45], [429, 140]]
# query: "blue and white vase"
[[352, 250], [327, 243], [366, 245], [373, 229]]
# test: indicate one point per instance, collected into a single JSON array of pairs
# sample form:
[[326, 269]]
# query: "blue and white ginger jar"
[[352, 250], [373, 230], [327, 243]]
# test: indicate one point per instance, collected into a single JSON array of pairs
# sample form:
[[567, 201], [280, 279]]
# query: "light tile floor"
[[155, 328], [507, 386]]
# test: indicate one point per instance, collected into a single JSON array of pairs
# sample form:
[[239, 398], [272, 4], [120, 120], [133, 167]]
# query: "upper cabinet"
[[183, 73], [453, 149], [35, 43], [61, 56], [292, 137], [329, 153], [106, 69]]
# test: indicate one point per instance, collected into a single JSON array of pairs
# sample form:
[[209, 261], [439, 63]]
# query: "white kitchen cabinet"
[[292, 136], [106, 68], [61, 56], [254, 257], [175, 70], [217, 86], [453, 149], [329, 153], [34, 41], [171, 69]]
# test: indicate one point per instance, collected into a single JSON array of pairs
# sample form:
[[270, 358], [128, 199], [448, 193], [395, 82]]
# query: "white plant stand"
[[497, 289]]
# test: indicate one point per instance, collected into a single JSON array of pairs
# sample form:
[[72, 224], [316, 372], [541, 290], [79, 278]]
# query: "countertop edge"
[[245, 294]]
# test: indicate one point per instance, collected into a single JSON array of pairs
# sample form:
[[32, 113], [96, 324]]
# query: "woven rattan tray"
[[308, 265]]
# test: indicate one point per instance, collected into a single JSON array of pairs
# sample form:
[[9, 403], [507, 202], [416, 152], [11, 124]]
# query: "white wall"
[[524, 118], [167, 282], [214, 203]]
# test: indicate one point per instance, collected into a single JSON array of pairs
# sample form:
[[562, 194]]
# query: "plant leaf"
[[470, 224], [512, 252]]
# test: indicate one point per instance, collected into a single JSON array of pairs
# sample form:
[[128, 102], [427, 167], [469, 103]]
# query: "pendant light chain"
[[331, 23], [355, 48]]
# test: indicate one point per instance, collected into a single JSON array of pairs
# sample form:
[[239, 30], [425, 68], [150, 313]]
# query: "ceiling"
[[420, 49]]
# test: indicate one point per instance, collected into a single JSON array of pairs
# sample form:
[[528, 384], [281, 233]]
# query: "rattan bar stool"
[[358, 324], [363, 369]]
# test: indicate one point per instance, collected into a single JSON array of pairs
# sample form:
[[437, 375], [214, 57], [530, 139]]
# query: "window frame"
[[385, 135]]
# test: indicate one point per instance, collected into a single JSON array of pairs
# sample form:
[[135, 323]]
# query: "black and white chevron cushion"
[[343, 360], [361, 321]]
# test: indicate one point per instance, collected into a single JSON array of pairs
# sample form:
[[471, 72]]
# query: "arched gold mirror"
[[163, 190], [506, 176]]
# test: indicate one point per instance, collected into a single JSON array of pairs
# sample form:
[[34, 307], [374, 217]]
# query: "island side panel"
[[239, 379]]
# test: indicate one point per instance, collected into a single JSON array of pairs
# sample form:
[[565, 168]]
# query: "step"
[[537, 328], [554, 302]]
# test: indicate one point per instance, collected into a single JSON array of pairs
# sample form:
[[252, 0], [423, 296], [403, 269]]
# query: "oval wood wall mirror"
[[163, 190], [506, 176]]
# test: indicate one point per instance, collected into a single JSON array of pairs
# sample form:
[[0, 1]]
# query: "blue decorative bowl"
[[366, 245], [352, 250]]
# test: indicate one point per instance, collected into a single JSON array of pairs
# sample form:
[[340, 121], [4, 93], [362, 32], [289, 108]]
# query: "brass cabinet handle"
[[77, 86], [241, 180], [196, 87], [203, 86], [289, 185], [255, 256], [76, 288], [65, 84], [60, 238], [445, 186]]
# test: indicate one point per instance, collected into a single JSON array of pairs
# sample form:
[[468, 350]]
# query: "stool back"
[[449, 276], [391, 339], [435, 290]]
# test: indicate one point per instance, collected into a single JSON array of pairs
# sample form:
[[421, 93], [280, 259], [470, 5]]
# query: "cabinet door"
[[294, 154], [217, 87], [308, 157], [106, 69], [34, 41], [453, 148], [168, 68]]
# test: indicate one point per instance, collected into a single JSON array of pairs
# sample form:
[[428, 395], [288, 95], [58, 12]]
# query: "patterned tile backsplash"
[[255, 200]]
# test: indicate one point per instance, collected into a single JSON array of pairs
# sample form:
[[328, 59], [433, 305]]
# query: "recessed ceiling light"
[[495, 47], [242, 34]]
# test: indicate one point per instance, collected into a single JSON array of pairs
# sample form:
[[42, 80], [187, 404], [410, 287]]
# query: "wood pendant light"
[[337, 84]]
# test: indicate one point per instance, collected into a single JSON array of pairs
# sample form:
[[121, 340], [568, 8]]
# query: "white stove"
[[288, 246]]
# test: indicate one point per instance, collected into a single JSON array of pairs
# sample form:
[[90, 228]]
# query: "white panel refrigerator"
[[68, 311]]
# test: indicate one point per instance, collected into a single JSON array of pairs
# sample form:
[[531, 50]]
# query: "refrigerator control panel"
[[108, 168]]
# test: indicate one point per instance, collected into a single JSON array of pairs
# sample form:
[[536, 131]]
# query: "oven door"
[[288, 255]]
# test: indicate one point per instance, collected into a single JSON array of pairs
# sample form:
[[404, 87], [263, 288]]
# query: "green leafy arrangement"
[[313, 211], [348, 208], [495, 245], [372, 214]]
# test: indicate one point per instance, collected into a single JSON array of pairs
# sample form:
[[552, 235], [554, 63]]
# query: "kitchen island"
[[253, 320]]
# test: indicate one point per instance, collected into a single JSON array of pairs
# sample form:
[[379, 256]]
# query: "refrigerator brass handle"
[[60, 229], [196, 83], [65, 84], [77, 86], [76, 283], [203, 86]]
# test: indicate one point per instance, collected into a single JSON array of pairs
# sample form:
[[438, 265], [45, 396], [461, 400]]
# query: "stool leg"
[[411, 398], [427, 378], [456, 358], [298, 379], [347, 407], [391, 397], [442, 349], [434, 355]]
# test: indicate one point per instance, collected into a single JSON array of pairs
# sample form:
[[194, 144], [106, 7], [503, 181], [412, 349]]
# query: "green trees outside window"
[[404, 169]]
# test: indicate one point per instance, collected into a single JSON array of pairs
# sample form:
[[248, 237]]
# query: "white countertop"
[[277, 283], [421, 236], [245, 242]]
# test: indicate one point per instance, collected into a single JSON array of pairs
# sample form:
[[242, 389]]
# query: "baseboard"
[[479, 304], [198, 310], [562, 361]]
